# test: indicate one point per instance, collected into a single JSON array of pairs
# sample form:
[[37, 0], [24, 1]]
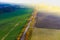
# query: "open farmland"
[[47, 27], [12, 23]]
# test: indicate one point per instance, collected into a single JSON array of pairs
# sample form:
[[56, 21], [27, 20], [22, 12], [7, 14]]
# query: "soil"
[[47, 21]]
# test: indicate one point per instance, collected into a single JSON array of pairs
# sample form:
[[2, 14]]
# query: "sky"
[[46, 5], [46, 2]]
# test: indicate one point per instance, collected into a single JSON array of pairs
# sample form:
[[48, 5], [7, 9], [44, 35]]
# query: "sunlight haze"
[[46, 5]]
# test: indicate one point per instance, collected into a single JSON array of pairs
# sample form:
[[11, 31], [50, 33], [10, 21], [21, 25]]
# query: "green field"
[[12, 23]]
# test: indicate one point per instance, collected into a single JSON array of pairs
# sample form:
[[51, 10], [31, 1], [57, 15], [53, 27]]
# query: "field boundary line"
[[3, 38]]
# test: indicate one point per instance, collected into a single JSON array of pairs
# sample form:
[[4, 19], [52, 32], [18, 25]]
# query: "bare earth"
[[47, 27]]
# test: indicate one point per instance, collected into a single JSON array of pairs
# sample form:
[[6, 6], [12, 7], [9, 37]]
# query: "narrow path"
[[33, 16], [3, 38], [24, 33], [23, 36]]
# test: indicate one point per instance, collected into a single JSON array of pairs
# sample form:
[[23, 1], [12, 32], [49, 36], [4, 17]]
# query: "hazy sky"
[[47, 2]]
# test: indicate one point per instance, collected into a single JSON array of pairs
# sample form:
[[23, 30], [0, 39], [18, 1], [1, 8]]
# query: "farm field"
[[47, 27], [45, 34], [11, 24]]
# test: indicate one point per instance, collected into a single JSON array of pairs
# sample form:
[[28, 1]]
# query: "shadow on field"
[[47, 21]]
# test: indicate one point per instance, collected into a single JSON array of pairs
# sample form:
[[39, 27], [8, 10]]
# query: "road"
[[28, 26], [23, 36]]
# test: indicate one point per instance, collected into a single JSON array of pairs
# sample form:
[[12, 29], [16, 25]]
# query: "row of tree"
[[8, 8]]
